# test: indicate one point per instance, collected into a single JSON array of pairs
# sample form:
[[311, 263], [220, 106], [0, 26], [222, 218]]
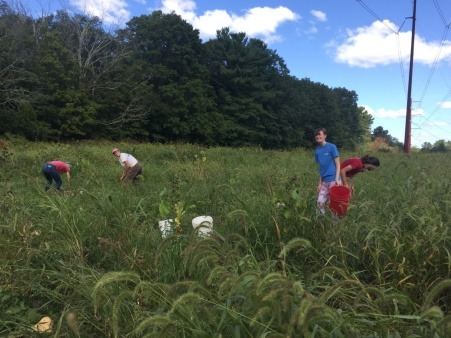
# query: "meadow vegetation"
[[93, 259]]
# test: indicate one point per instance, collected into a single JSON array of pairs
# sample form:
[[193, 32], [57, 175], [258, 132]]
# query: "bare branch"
[[135, 111]]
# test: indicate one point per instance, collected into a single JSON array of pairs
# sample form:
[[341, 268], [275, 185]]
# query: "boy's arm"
[[318, 188]]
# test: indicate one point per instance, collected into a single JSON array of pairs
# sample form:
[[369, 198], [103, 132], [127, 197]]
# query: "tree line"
[[64, 77], [380, 134]]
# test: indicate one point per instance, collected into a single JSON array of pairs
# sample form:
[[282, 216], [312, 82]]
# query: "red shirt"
[[61, 167], [356, 165]]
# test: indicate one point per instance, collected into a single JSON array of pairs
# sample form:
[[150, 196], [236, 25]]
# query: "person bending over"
[[132, 168], [52, 170], [353, 166]]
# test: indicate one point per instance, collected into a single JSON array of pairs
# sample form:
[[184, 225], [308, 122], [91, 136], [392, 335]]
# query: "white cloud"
[[391, 113], [261, 22], [445, 105], [109, 11], [379, 44], [184, 8], [320, 16], [211, 21], [386, 113], [311, 30]]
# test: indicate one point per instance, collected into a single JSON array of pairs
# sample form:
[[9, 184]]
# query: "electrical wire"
[[375, 15], [400, 59], [434, 66], [439, 106], [433, 69], [440, 13], [401, 65]]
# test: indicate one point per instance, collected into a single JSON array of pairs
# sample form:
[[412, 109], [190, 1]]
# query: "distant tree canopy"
[[380, 133], [63, 77], [440, 146]]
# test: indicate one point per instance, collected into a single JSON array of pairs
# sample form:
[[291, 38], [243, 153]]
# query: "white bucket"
[[165, 227], [203, 225]]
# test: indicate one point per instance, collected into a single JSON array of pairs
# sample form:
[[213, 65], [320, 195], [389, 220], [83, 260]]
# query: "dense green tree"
[[247, 77], [365, 122], [155, 80], [66, 107], [94, 86], [348, 130], [426, 147], [319, 109], [167, 53], [18, 92], [379, 131], [288, 104], [439, 146]]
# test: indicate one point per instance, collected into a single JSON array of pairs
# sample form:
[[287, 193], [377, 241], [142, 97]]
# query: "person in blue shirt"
[[327, 156]]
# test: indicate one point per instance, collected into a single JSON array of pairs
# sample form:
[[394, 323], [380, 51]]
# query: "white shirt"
[[129, 158]]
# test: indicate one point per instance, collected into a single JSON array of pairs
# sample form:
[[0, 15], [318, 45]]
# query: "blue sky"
[[359, 45]]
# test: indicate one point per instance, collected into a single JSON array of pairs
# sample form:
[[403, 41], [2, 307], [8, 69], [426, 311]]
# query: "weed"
[[93, 260]]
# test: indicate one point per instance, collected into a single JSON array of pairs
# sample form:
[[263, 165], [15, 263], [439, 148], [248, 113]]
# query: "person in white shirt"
[[132, 168]]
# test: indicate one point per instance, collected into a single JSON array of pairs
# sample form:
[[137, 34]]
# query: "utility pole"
[[408, 132]]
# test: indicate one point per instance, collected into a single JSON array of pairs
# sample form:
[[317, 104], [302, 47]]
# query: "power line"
[[439, 106], [434, 65], [401, 64], [400, 59], [424, 130], [440, 13], [375, 15], [445, 32], [432, 71]]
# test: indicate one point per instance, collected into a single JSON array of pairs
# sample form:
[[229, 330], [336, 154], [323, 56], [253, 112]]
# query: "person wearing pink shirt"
[[352, 166], [52, 170]]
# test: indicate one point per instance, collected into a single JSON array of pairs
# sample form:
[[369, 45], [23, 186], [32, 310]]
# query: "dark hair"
[[317, 131], [371, 160]]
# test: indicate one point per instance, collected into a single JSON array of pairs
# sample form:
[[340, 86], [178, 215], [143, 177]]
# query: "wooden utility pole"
[[408, 132]]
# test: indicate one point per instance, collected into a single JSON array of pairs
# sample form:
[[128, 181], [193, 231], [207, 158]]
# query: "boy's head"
[[319, 130], [320, 135]]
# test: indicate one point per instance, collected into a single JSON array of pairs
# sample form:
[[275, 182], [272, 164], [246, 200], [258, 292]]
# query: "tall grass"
[[93, 259]]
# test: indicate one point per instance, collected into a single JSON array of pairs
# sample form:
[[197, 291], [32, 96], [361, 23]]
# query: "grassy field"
[[92, 257]]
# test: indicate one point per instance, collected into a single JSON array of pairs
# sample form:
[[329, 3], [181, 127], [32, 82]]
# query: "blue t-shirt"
[[325, 155]]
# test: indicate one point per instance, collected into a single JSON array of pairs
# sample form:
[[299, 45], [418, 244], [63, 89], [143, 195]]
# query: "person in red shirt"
[[52, 170], [352, 166]]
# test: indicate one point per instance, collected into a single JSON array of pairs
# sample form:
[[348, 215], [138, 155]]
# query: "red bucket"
[[339, 197]]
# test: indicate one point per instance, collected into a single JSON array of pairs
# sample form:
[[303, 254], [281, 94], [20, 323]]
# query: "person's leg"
[[323, 196], [48, 177], [56, 177], [58, 181], [132, 173], [138, 174]]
